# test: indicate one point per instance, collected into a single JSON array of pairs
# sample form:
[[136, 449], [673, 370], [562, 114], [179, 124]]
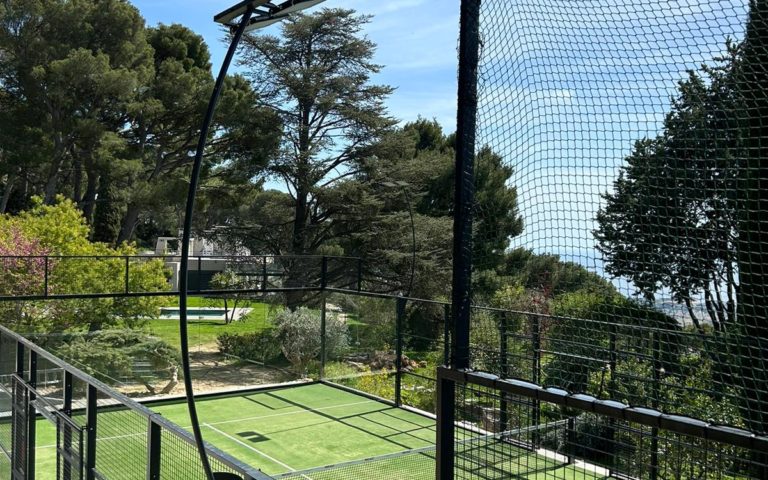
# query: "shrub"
[[114, 354], [260, 346], [298, 334]]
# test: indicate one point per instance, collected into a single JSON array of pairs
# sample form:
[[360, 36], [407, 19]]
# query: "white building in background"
[[206, 259]]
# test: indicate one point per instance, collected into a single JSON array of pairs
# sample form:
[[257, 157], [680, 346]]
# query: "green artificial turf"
[[203, 332], [298, 428]]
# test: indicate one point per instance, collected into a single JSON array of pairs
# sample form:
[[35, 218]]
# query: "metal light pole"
[[252, 14]]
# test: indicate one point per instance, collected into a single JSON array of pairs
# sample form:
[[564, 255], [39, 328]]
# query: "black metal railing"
[[64, 277], [610, 362], [622, 440], [581, 371], [100, 434]]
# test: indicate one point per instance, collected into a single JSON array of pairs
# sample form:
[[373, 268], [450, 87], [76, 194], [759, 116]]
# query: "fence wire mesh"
[[497, 438], [416, 465], [367, 360], [62, 424], [628, 260], [633, 134]]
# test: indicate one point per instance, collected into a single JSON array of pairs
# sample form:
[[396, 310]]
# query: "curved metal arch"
[[186, 235]]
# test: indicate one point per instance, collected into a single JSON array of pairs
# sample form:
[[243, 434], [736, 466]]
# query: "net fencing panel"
[[495, 438], [629, 245]]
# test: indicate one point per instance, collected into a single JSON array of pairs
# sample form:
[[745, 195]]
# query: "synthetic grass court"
[[300, 428]]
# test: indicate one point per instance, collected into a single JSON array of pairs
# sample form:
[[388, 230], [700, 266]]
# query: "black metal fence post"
[[31, 416], [461, 297], [18, 462], [323, 345], [571, 436], [154, 439], [469, 58], [66, 409], [466, 123], [400, 313], [199, 282], [91, 406], [20, 359], [503, 368], [324, 273], [264, 273], [45, 277], [536, 368], [612, 364], [446, 335], [655, 351], [127, 273], [446, 434]]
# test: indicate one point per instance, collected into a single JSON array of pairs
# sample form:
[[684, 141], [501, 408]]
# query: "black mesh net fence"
[[392, 347], [629, 249], [497, 437], [424, 348], [407, 465], [411, 465], [61, 423]]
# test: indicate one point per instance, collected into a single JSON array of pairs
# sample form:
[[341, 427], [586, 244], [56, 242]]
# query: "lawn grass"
[[203, 332], [284, 430]]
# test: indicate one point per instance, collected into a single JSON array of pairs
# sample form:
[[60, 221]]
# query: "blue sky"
[[416, 44], [567, 87]]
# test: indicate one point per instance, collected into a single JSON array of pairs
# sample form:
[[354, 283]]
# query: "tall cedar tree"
[[317, 77]]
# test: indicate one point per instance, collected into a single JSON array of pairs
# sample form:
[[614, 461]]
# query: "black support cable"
[[186, 234]]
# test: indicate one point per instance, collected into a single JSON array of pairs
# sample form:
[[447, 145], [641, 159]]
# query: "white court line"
[[223, 422], [254, 449], [308, 410]]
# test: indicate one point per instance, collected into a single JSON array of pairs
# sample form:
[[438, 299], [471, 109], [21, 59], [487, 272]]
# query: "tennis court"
[[299, 432]]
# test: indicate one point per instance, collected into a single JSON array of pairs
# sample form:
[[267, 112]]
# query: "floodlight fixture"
[[238, 10], [293, 6], [262, 21], [265, 13]]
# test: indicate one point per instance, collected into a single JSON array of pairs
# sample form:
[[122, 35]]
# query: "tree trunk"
[[130, 220], [57, 159], [234, 309], [172, 382], [89, 199], [296, 269], [77, 179], [53, 178], [7, 192]]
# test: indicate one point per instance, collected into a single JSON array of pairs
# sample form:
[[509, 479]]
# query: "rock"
[[359, 366]]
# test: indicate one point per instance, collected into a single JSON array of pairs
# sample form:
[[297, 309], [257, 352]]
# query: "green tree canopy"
[[671, 219], [101, 109], [317, 76], [60, 230]]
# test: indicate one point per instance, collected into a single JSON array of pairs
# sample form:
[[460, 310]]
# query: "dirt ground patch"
[[213, 372]]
